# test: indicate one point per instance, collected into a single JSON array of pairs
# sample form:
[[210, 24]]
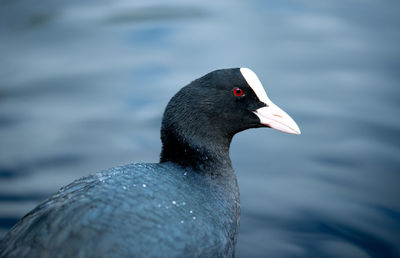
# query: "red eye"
[[238, 92]]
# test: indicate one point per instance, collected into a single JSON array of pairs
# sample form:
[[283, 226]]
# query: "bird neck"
[[207, 155]]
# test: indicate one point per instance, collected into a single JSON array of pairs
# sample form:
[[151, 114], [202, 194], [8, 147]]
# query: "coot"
[[185, 206]]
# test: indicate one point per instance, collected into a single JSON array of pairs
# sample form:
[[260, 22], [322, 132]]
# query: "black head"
[[204, 115]]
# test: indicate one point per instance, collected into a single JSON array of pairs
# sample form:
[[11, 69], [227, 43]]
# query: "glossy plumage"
[[131, 211]]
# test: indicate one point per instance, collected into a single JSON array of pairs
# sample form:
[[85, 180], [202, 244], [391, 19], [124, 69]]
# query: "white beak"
[[271, 115], [276, 118]]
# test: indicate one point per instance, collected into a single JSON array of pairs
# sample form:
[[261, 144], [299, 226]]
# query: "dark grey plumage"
[[132, 211]]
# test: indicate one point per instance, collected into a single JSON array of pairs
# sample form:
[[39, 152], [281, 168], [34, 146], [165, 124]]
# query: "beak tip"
[[297, 131], [293, 131]]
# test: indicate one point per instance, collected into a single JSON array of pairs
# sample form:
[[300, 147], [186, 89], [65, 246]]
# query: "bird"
[[187, 205]]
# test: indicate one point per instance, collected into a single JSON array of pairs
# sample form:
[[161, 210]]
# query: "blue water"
[[83, 85]]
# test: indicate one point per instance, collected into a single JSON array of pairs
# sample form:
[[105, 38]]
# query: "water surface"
[[83, 86]]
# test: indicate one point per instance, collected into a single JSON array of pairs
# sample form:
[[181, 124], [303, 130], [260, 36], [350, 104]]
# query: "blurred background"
[[83, 85]]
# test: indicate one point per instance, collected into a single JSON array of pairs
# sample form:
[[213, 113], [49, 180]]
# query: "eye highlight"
[[238, 92]]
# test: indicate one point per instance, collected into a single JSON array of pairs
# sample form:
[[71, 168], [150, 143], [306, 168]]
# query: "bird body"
[[128, 211]]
